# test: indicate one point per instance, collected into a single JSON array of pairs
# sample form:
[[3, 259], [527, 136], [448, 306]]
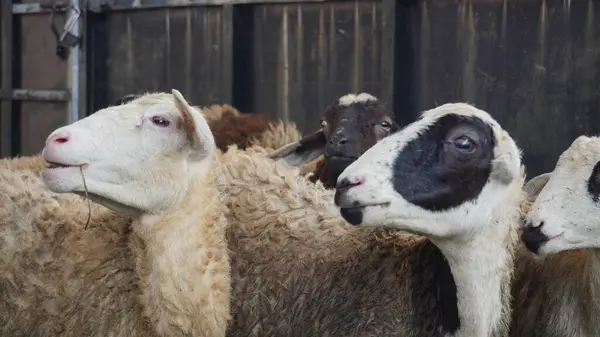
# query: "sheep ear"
[[195, 127], [303, 151], [534, 186]]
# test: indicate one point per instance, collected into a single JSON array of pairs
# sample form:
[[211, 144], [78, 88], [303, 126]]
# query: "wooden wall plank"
[[6, 42]]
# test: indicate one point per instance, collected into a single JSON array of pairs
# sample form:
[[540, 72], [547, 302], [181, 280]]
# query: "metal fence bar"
[[34, 8], [74, 70], [120, 5], [228, 47], [6, 25], [388, 50], [36, 95], [99, 5]]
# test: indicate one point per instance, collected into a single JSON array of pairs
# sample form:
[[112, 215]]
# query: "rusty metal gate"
[[38, 72], [533, 64]]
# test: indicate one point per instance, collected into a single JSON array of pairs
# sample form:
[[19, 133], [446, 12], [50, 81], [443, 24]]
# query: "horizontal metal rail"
[[120, 5], [143, 4], [32, 8], [6, 64], [36, 95]]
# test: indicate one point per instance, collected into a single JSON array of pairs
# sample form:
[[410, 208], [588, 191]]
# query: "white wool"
[[350, 99]]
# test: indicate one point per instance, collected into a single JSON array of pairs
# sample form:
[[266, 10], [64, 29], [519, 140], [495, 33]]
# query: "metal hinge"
[[67, 39]]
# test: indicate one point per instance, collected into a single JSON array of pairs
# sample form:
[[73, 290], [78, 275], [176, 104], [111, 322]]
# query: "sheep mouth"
[[357, 207], [354, 214], [372, 204], [335, 165], [536, 240], [54, 165], [341, 158]]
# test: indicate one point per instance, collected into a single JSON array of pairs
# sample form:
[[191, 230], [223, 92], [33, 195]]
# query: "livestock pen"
[[534, 64]]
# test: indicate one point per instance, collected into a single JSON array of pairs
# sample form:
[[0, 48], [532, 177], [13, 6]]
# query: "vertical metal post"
[[6, 25], [227, 43], [388, 51], [74, 59]]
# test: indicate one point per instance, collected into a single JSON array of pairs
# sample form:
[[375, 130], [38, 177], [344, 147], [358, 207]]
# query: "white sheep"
[[162, 270], [299, 269], [227, 124], [558, 293]]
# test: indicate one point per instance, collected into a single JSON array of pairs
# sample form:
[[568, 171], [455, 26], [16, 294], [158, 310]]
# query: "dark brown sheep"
[[239, 129], [350, 126]]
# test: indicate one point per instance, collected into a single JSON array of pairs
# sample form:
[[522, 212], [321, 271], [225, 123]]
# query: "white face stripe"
[[350, 99]]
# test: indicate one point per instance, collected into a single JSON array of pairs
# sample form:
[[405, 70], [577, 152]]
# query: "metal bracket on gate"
[[66, 39]]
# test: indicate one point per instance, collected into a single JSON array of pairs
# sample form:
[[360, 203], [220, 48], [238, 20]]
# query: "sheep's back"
[[555, 296], [33, 164], [298, 269], [363, 283]]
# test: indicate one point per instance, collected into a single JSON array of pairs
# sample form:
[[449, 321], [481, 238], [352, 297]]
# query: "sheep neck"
[[182, 263], [593, 302], [482, 268], [573, 280]]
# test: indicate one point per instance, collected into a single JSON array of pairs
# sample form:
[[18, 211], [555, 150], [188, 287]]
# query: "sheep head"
[[565, 214], [136, 157], [455, 163], [350, 126]]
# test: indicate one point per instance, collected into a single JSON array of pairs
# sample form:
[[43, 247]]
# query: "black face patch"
[[437, 172], [593, 184]]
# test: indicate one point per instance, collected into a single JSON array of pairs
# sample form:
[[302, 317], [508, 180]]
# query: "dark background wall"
[[287, 60], [533, 64]]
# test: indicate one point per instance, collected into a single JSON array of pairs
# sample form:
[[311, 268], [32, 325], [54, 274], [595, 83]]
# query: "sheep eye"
[[464, 144], [386, 125], [160, 121]]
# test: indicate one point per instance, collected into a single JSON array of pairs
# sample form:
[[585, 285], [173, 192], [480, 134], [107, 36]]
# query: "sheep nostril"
[[347, 183]]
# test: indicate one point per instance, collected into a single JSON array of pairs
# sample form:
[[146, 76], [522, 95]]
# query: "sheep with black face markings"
[[298, 268], [350, 126], [157, 267], [557, 294]]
